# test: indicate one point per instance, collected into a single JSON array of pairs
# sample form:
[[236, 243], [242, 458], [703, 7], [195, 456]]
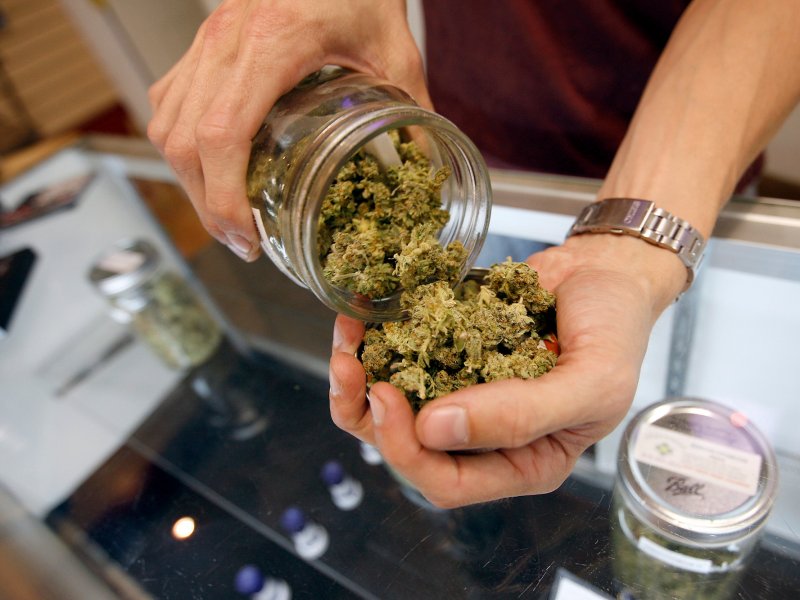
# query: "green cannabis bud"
[[175, 324], [650, 577], [476, 333], [378, 225]]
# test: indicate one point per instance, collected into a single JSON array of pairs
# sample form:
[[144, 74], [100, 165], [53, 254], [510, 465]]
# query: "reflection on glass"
[[183, 528]]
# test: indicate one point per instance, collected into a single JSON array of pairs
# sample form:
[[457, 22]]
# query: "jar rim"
[[636, 470]]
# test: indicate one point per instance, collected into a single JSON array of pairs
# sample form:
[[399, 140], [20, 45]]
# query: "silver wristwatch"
[[641, 218]]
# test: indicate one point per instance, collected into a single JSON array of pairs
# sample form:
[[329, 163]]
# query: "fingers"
[[515, 412], [246, 55], [182, 100], [224, 134], [182, 150], [406, 71], [347, 334], [217, 100], [167, 94], [349, 409], [449, 480]]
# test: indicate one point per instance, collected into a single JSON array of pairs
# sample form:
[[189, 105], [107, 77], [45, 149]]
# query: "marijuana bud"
[[423, 259], [378, 226], [475, 333], [517, 282], [378, 233]]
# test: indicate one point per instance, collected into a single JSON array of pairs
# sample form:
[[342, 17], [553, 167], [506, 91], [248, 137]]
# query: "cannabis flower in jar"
[[347, 172]]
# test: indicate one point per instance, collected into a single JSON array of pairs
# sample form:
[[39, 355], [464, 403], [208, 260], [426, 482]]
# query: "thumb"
[[514, 412]]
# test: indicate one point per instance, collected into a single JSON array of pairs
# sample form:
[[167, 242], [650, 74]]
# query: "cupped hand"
[[247, 54], [610, 290]]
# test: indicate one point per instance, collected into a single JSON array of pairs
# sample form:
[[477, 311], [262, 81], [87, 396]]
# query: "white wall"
[[136, 42], [160, 32]]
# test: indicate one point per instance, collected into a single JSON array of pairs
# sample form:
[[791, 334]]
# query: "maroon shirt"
[[545, 85]]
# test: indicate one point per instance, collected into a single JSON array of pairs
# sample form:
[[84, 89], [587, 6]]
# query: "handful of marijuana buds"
[[378, 234]]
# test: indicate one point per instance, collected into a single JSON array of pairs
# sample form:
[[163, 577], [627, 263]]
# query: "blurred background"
[[74, 66]]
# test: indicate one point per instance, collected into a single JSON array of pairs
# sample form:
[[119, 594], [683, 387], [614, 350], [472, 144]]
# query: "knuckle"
[[181, 152], [619, 379], [154, 93], [518, 436], [403, 61], [551, 486], [223, 208], [217, 27], [158, 132], [215, 132]]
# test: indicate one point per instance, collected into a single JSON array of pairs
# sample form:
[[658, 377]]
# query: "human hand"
[[246, 55], [610, 290]]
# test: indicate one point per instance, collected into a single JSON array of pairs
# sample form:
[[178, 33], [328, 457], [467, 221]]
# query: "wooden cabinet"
[[50, 80]]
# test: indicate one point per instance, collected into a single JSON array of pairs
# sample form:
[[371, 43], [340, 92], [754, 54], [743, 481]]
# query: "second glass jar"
[[306, 139], [695, 486]]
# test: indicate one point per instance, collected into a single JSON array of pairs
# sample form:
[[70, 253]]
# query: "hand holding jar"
[[246, 55]]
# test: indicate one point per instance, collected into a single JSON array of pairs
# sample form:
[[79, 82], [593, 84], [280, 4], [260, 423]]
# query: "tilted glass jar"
[[159, 304], [695, 485], [305, 140]]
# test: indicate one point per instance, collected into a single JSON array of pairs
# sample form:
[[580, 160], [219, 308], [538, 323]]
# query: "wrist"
[[658, 275], [642, 219]]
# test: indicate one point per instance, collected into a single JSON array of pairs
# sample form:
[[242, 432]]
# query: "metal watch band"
[[642, 219]]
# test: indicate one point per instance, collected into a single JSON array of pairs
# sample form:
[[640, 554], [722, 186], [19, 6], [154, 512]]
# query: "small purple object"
[[293, 520], [332, 473], [249, 580]]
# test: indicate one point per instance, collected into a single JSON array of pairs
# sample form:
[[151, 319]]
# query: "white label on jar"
[[260, 226], [675, 559], [707, 461], [123, 261]]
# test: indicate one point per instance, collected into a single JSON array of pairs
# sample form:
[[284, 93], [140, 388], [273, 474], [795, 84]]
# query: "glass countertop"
[[159, 488]]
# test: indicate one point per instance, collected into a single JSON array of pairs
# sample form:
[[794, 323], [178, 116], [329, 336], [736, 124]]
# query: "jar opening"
[[465, 194]]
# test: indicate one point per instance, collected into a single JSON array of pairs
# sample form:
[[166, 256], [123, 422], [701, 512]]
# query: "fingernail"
[[337, 339], [377, 407], [336, 385], [240, 246], [446, 427]]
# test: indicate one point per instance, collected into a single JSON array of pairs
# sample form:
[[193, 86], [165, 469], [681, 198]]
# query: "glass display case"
[[163, 483]]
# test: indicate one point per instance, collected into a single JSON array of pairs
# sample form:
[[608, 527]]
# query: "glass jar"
[[159, 304], [306, 139], [695, 485]]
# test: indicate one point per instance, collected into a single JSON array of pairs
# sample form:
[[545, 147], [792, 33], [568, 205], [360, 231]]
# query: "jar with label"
[[160, 305], [695, 485], [306, 140]]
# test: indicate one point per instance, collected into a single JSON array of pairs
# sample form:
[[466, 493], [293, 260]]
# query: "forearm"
[[723, 85]]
